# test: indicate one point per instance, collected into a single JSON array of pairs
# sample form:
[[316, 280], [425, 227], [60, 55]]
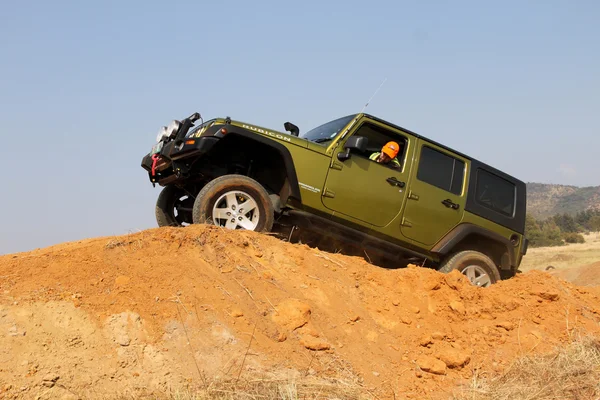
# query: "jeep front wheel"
[[476, 266], [234, 202]]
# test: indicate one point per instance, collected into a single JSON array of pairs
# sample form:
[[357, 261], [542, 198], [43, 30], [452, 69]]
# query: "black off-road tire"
[[165, 205], [463, 259], [208, 196]]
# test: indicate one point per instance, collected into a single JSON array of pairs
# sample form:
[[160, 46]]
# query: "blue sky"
[[85, 86]]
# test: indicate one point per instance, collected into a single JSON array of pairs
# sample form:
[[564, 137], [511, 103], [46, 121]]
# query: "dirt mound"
[[585, 275], [174, 308]]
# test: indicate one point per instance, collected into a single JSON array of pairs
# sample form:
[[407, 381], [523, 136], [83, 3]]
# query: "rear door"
[[437, 194]]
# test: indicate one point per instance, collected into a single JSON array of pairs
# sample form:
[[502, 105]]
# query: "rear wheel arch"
[[472, 237]]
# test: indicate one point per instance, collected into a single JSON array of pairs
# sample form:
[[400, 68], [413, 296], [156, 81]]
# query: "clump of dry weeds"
[[286, 389], [570, 372]]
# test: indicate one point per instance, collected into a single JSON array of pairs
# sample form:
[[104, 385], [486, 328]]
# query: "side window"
[[495, 193], [378, 137], [441, 170]]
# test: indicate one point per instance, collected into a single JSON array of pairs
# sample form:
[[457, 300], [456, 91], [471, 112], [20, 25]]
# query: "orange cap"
[[391, 149]]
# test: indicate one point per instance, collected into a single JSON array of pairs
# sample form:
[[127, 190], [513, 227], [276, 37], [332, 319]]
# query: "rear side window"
[[495, 193], [441, 170]]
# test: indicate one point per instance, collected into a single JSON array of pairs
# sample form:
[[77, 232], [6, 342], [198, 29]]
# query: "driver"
[[387, 155]]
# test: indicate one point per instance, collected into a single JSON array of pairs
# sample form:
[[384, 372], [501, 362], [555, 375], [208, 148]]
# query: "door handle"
[[395, 182], [448, 203]]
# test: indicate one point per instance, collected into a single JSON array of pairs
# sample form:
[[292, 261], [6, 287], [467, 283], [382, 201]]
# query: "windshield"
[[328, 131]]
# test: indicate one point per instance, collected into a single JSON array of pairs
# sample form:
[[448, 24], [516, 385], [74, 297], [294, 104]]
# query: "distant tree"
[[595, 223], [542, 233], [566, 223], [552, 233]]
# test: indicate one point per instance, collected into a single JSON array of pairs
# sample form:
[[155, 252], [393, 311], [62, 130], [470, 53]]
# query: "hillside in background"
[[546, 200]]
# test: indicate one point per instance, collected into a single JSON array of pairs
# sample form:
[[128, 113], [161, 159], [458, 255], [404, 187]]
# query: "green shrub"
[[571, 237]]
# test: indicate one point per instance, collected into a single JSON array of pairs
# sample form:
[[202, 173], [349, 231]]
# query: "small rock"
[[455, 280], [458, 307], [291, 314], [355, 318], [432, 365], [282, 337], [7, 387], [438, 336], [49, 380], [396, 302], [418, 374], [509, 326], [356, 285], [405, 320], [433, 285], [313, 343], [425, 341], [415, 310], [545, 293], [375, 373], [454, 358], [236, 313], [123, 340]]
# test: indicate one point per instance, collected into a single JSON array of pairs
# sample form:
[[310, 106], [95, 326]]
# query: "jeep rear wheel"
[[174, 207], [234, 202], [476, 266]]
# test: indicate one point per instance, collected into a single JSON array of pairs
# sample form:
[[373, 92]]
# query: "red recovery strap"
[[154, 161]]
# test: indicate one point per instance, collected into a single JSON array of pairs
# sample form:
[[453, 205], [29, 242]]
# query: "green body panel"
[[506, 233], [284, 138], [358, 188], [426, 219]]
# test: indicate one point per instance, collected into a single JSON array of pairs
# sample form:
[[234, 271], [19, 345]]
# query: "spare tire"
[[234, 202]]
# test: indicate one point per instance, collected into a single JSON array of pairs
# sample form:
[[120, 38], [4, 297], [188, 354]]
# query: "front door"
[[437, 194], [363, 189]]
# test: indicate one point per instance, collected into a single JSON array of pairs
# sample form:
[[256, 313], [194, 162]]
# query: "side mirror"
[[291, 128], [353, 143]]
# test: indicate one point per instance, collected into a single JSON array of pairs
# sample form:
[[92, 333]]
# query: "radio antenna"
[[366, 105]]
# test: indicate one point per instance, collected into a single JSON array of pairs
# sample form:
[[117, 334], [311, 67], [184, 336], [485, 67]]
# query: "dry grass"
[[570, 372], [274, 389], [305, 388], [571, 255]]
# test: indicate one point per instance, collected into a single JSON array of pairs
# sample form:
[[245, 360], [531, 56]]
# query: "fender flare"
[[290, 169], [452, 238]]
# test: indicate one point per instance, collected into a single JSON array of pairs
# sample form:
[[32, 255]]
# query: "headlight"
[[173, 128], [161, 132]]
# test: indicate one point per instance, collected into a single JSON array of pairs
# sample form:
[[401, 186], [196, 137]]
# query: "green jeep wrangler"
[[437, 208]]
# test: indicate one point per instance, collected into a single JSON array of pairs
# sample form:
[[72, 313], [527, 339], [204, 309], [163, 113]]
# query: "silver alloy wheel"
[[477, 275], [236, 209]]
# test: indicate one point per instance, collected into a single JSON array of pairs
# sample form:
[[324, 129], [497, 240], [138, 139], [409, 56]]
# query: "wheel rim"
[[236, 210], [477, 275], [182, 209]]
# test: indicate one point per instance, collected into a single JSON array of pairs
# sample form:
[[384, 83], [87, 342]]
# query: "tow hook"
[[155, 158]]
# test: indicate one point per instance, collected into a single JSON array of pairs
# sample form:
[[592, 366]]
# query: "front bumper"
[[174, 160]]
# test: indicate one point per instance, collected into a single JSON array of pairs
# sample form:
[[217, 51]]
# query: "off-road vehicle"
[[440, 208]]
